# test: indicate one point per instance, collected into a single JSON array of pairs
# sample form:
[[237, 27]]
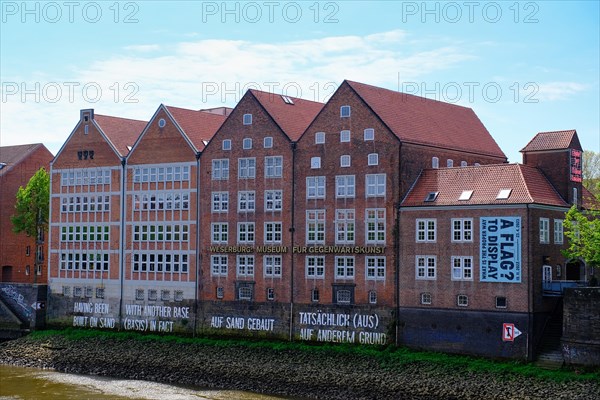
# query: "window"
[[220, 169], [272, 232], [558, 231], [226, 144], [220, 292], [501, 302], [435, 162], [344, 136], [270, 294], [462, 300], [66, 291], [152, 295], [345, 161], [139, 294], [247, 120], [38, 269], [503, 194], [315, 226], [247, 143], [372, 297], [245, 266], [165, 295], [245, 292], [375, 224], [220, 201], [272, 266], [344, 226], [246, 168], [375, 185], [99, 293], [27, 269], [219, 232], [274, 167], [268, 142], [319, 137], [345, 186], [273, 200], [425, 267], [462, 230], [369, 134], [315, 267], [465, 195], [463, 164], [426, 298], [373, 159], [462, 268], [28, 251], [245, 232], [344, 267], [574, 195], [315, 187], [344, 111], [178, 295], [315, 162], [314, 295], [343, 296], [449, 163], [426, 231], [431, 196], [246, 201], [544, 230], [375, 268]]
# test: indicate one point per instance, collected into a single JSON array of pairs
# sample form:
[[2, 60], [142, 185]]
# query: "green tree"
[[582, 230], [33, 204], [590, 171]]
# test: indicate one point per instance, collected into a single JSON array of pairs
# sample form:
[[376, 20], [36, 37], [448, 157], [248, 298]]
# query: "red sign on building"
[[575, 165]]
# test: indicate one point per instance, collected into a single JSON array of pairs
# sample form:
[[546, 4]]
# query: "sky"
[[523, 67]]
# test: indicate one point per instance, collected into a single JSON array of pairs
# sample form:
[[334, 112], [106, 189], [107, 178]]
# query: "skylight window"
[[503, 194], [465, 195], [2, 165], [431, 196], [287, 100]]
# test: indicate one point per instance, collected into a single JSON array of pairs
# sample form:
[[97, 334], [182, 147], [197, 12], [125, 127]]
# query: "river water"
[[34, 384]]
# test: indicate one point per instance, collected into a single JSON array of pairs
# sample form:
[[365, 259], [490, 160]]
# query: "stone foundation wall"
[[581, 326]]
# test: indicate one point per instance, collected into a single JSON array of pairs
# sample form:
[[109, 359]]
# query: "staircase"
[[549, 352]]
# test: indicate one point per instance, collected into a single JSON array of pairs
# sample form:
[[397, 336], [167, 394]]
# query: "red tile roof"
[[13, 155], [528, 186], [425, 121], [199, 126], [294, 118], [558, 140], [121, 132], [590, 202]]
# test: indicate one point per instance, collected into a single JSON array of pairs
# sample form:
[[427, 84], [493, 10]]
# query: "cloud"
[[210, 73], [553, 91]]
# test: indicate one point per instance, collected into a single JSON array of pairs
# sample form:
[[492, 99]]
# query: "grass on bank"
[[389, 357]]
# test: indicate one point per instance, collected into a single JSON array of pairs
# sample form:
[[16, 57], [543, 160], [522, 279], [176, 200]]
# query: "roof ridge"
[[280, 94], [531, 199]]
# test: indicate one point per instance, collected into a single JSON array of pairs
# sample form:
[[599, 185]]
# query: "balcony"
[[557, 288]]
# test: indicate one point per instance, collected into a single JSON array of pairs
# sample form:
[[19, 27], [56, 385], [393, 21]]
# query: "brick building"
[[18, 251]]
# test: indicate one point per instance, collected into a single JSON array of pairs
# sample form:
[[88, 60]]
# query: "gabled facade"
[[86, 216], [18, 252]]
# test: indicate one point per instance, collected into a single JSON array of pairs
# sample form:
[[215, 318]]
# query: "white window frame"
[[273, 232], [220, 202], [345, 111], [345, 226], [246, 232], [425, 298], [449, 163], [426, 230], [369, 134], [345, 136], [272, 266], [372, 297], [246, 201], [315, 187], [218, 265], [226, 145], [435, 162], [462, 230], [273, 166], [375, 185], [375, 268], [247, 144], [273, 200], [247, 119], [220, 169], [315, 162], [268, 142], [462, 300], [345, 267], [319, 137], [247, 168], [462, 268], [245, 265], [315, 267], [544, 230], [559, 231], [425, 267], [345, 161], [373, 159], [219, 232], [315, 226], [375, 225], [345, 186]]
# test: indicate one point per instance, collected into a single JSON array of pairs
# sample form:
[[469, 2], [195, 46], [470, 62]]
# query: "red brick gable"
[[13, 155], [527, 184], [557, 140], [199, 126], [121, 132], [293, 119], [429, 122]]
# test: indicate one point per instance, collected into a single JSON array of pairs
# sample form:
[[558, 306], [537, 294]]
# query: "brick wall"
[[581, 326]]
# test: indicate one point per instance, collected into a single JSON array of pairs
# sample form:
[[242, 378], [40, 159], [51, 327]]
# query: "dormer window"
[[449, 163], [345, 111], [247, 119], [431, 196]]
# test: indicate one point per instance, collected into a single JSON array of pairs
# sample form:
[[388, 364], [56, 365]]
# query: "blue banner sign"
[[500, 250]]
